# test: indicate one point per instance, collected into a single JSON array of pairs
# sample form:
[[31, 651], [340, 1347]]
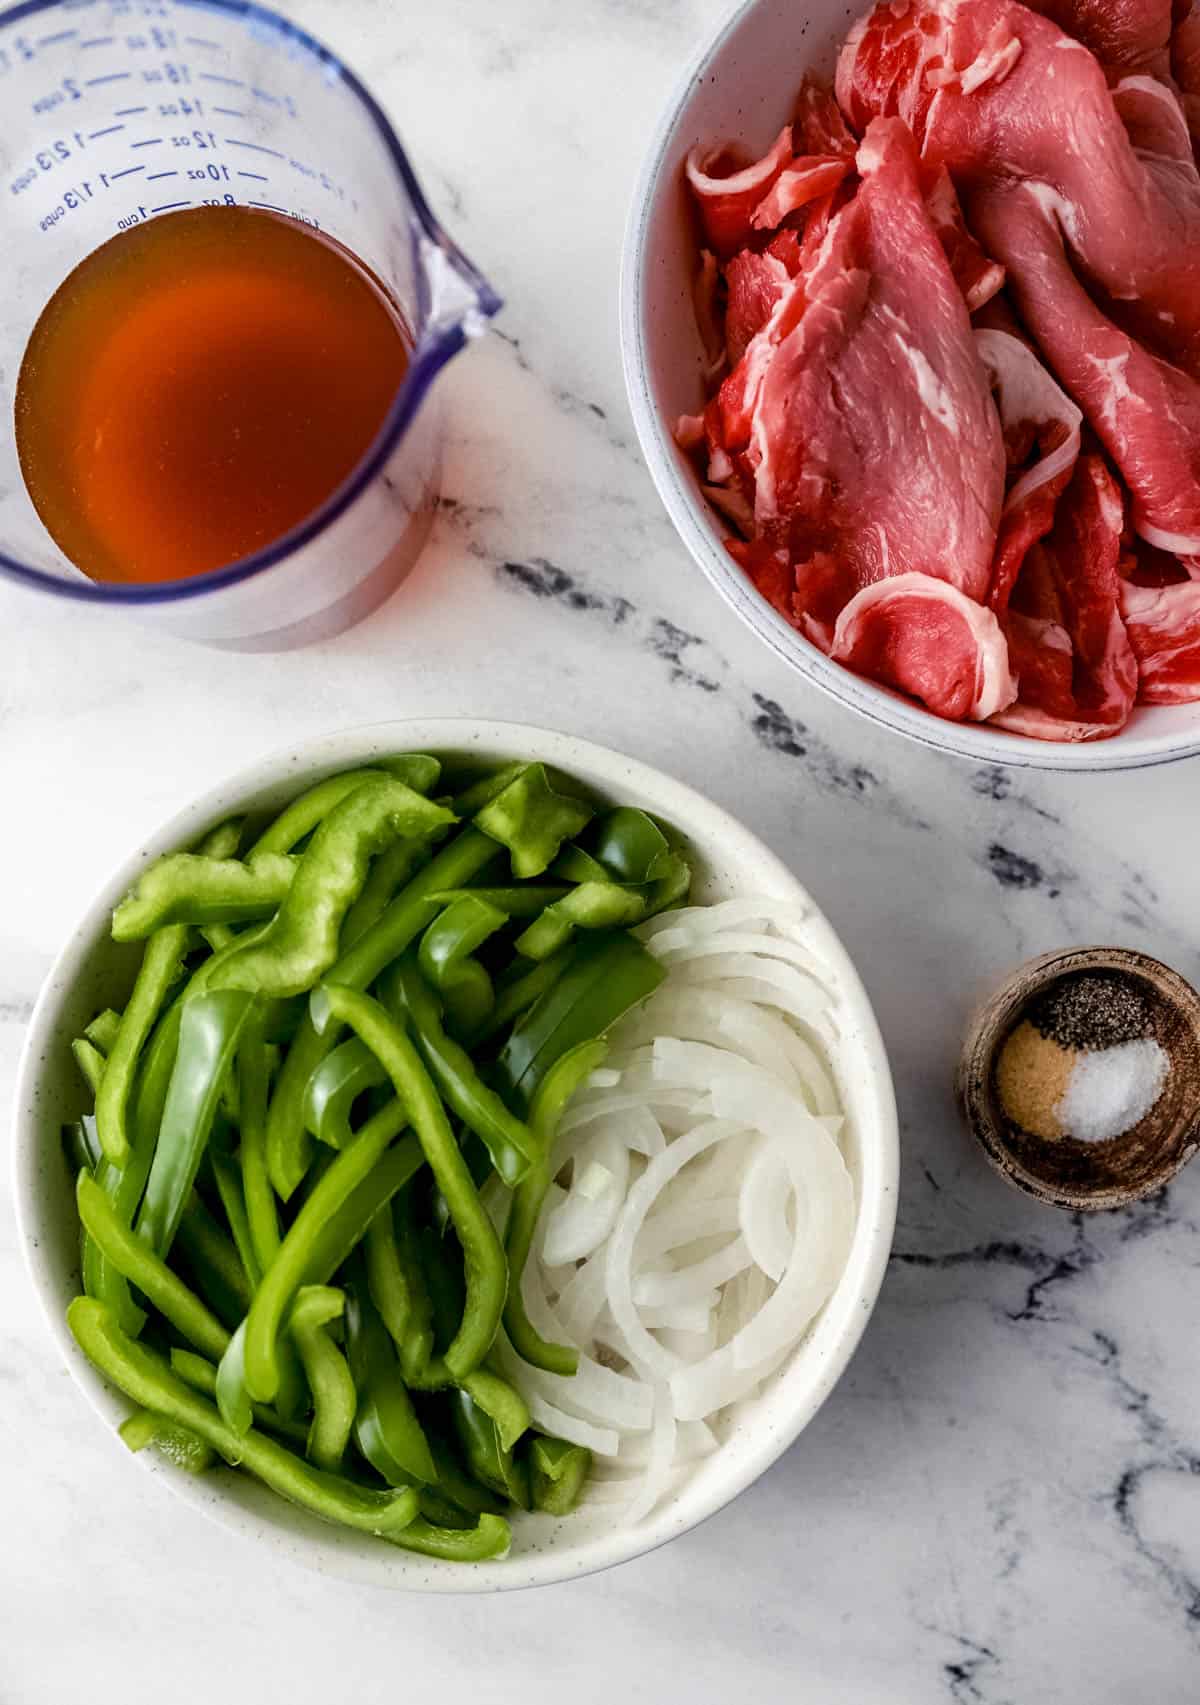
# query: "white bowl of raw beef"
[[744, 87], [727, 863]]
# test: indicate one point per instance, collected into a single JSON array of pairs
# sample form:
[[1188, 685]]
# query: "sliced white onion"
[[681, 1316], [581, 1300], [668, 1228], [688, 1347], [708, 1205], [625, 1101], [648, 1354], [594, 1393], [694, 1440], [763, 1210], [787, 950], [660, 1459], [691, 1283], [582, 1218], [797, 992], [605, 1441]]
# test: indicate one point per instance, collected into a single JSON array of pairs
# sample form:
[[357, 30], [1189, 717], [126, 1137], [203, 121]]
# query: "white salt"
[[1110, 1090]]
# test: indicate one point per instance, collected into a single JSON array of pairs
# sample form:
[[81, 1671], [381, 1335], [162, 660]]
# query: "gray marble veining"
[[1000, 1505]]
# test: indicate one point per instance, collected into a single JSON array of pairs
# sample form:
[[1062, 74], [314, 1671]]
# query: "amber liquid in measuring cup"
[[197, 387]]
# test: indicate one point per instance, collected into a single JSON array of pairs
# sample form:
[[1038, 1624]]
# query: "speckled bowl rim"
[[699, 530], [259, 1515]]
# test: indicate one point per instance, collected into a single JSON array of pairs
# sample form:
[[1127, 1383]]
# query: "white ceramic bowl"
[[91, 972], [743, 84]]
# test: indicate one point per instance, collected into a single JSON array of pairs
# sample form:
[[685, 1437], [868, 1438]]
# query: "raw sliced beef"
[[756, 282], [806, 179], [1125, 34], [925, 638], [1077, 673], [818, 127], [978, 277], [1154, 122], [1042, 438], [1163, 624], [873, 435], [1145, 411], [728, 187], [1185, 65], [999, 95]]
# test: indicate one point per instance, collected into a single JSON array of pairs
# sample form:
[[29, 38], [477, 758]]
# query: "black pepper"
[[1095, 1009]]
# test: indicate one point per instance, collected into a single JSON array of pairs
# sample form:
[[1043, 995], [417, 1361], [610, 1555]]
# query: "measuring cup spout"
[[457, 301]]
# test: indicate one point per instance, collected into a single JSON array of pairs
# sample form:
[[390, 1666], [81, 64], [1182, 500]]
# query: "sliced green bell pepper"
[[209, 1030], [147, 1380], [532, 820], [301, 942], [487, 1274]]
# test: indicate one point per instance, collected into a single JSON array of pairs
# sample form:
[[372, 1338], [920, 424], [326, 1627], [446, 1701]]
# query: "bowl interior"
[[91, 972], [743, 86]]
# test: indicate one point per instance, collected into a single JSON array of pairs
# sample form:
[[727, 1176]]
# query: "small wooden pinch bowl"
[[1065, 1172]]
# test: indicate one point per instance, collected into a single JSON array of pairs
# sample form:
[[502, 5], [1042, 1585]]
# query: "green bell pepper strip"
[[508, 1139], [487, 1275], [439, 1511], [532, 820], [138, 1263], [453, 1482], [301, 942], [224, 840], [606, 976], [490, 1464], [219, 936], [446, 963], [517, 996], [409, 913], [387, 1278], [521, 900], [201, 1375], [190, 888], [489, 1538], [558, 1474], [335, 1086], [501, 1402], [216, 1269], [592, 905], [90, 1061], [395, 866], [228, 1175], [329, 1378], [229, 1389], [310, 810], [291, 1266], [103, 1030], [124, 1185], [626, 873], [344, 1231], [253, 1073], [386, 1428], [179, 1445], [161, 966], [147, 1380], [555, 1091], [209, 1030], [81, 1145], [484, 788], [415, 1345]]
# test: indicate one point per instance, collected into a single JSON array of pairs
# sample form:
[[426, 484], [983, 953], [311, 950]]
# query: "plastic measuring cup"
[[117, 111]]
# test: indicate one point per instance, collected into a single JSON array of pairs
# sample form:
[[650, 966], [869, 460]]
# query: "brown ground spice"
[[1032, 1073]]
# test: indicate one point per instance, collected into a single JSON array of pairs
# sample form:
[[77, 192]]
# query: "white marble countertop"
[[1000, 1505]]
